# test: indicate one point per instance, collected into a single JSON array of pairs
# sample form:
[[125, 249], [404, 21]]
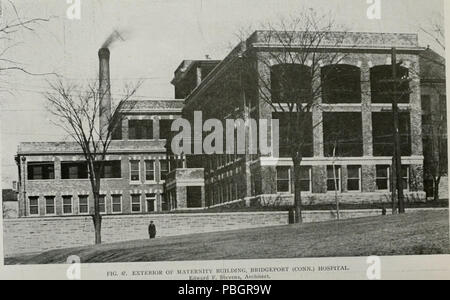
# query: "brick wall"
[[37, 235]]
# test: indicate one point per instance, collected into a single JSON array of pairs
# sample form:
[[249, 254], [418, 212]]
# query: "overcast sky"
[[160, 34]]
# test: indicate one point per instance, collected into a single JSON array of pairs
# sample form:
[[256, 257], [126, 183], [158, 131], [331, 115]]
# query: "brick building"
[[364, 165], [434, 121], [142, 176], [54, 179]]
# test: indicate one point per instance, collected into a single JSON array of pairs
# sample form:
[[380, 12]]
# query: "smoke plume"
[[116, 35]]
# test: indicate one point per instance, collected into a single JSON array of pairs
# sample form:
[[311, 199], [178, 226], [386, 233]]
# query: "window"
[[343, 134], [50, 205], [136, 203], [283, 179], [285, 139], [382, 86], [305, 180], [116, 203], [151, 201], [291, 83], [34, 206], [140, 129], [165, 127], [135, 171], [150, 170], [83, 204], [41, 171], [67, 205], [194, 196], [383, 133], [334, 178], [354, 178], [341, 84], [405, 177], [71, 170], [164, 169], [112, 170], [117, 132], [102, 204], [383, 178]]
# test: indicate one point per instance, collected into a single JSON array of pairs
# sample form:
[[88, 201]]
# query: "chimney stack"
[[104, 90]]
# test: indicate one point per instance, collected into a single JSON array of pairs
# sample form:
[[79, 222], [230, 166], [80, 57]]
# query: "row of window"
[[111, 170], [143, 130], [84, 204], [343, 134], [292, 83], [334, 178]]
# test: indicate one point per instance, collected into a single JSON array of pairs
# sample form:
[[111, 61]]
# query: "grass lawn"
[[409, 234]]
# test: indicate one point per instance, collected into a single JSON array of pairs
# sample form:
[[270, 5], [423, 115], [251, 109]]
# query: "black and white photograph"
[[222, 130]]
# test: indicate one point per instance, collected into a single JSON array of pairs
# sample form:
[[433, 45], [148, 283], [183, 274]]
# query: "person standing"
[[152, 230]]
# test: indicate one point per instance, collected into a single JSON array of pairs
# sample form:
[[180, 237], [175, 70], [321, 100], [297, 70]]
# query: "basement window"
[[102, 204], [354, 178], [140, 129], [83, 204], [50, 205], [116, 204], [34, 206], [383, 178], [67, 205], [283, 179], [41, 171], [306, 179], [334, 178]]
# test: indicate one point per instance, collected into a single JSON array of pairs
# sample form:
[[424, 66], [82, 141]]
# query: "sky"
[[158, 35]]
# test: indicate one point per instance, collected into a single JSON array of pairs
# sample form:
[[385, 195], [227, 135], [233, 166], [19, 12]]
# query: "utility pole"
[[397, 144]]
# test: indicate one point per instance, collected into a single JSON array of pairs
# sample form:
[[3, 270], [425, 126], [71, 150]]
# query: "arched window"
[[291, 83], [341, 84], [382, 86]]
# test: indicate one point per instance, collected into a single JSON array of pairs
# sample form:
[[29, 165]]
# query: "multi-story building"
[[434, 122], [363, 116], [54, 178], [142, 176]]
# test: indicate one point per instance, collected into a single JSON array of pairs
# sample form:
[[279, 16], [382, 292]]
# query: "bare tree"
[[11, 23], [294, 52], [78, 111], [436, 162]]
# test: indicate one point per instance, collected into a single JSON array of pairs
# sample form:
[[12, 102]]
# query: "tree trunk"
[[437, 182], [336, 188], [297, 191], [97, 218]]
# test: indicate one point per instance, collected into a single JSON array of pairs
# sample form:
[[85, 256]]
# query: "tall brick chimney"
[[104, 90]]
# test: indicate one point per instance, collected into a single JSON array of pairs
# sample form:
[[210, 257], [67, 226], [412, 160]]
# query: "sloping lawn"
[[409, 234]]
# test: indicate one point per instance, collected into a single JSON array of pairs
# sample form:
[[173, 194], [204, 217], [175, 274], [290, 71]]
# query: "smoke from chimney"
[[104, 90], [115, 36]]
